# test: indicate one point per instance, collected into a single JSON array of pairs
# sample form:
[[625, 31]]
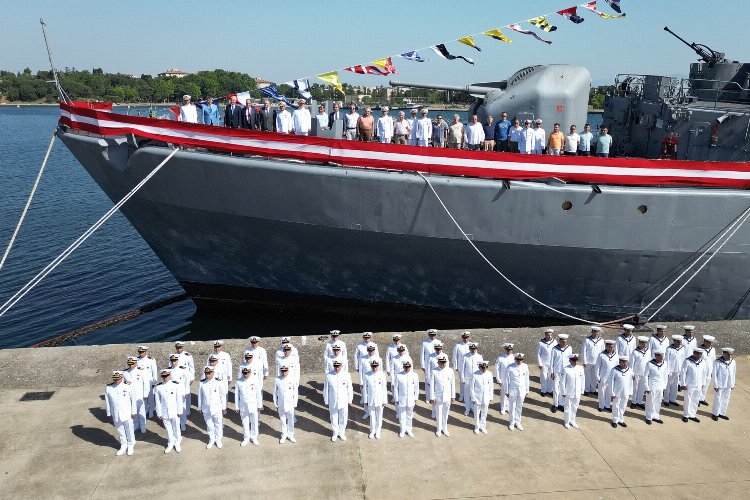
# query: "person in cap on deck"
[[674, 357], [338, 394], [140, 385], [517, 382], [709, 355], [248, 361], [285, 396], [593, 345], [219, 375], [442, 393], [212, 402], [543, 359], [659, 340], [248, 400], [428, 348], [459, 351], [470, 367], [384, 126], [375, 394], [301, 119], [405, 394], [182, 375], [279, 355], [186, 359], [501, 364], [398, 367], [621, 390], [361, 351], [693, 376], [655, 379], [423, 132], [482, 392], [284, 122], [689, 341], [148, 364], [170, 404], [365, 364], [291, 363], [432, 363], [188, 111], [626, 341], [573, 383], [606, 361], [121, 407], [225, 360], [342, 347], [336, 355], [638, 360], [540, 136], [390, 356], [558, 362], [725, 374], [260, 356]]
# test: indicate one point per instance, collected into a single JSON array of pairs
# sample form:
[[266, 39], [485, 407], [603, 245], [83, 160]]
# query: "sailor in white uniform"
[[626, 341], [186, 359], [689, 341], [432, 363], [470, 367], [120, 401], [459, 351], [148, 364], [225, 360], [442, 393], [428, 347], [557, 364], [674, 358], [337, 355], [655, 379], [710, 356], [365, 364], [390, 355], [170, 403], [335, 341], [406, 394], [638, 359], [592, 346], [398, 366], [693, 376], [376, 394], [606, 361], [291, 362], [725, 374], [220, 375], [212, 404], [140, 384], [482, 393], [574, 381], [260, 355], [361, 351], [338, 394], [517, 382], [285, 396], [249, 362], [543, 358], [501, 364], [248, 400], [279, 355], [183, 376], [621, 390], [659, 340]]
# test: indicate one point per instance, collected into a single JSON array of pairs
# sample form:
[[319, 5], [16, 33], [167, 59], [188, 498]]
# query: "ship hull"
[[234, 228]]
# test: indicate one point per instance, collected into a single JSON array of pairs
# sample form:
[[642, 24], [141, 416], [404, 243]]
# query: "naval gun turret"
[[553, 93]]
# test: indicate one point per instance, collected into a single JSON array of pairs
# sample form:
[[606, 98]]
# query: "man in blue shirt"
[[501, 134], [210, 113], [603, 143]]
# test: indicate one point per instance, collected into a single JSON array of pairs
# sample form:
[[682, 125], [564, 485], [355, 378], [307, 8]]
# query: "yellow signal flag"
[[331, 78], [497, 35]]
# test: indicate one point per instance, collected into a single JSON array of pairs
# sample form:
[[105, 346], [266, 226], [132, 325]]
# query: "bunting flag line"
[[571, 14], [592, 7], [615, 4], [412, 56], [385, 64], [302, 86], [541, 23], [273, 92], [469, 40], [518, 29], [332, 77], [366, 70], [497, 35], [440, 50]]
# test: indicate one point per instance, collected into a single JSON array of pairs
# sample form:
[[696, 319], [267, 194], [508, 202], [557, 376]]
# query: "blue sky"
[[295, 39]]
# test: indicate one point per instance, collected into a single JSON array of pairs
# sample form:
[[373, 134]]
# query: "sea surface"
[[114, 271]]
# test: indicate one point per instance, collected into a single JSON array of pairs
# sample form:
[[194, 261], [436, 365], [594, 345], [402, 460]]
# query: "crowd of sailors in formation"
[[646, 372], [528, 137]]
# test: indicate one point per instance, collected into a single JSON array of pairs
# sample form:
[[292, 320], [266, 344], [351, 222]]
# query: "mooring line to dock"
[[81, 239], [28, 202]]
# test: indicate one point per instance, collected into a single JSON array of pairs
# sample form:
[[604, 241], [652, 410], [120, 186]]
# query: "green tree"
[[163, 89]]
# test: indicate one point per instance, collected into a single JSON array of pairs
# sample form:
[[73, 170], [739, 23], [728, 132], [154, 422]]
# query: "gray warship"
[[240, 230]]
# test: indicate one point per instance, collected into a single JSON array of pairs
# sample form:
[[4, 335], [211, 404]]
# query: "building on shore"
[[176, 72]]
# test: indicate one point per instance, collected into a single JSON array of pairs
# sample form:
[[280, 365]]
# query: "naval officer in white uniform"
[[170, 403], [376, 395], [543, 357], [573, 385], [621, 390], [482, 393], [120, 402], [442, 393], [592, 346], [406, 394], [693, 377], [655, 379], [517, 382], [248, 399], [338, 394], [212, 404], [285, 395], [725, 374]]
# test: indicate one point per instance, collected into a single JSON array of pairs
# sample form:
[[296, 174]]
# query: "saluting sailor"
[[517, 382], [593, 345], [285, 396], [376, 395], [470, 366], [543, 358], [248, 399], [501, 364], [260, 355], [674, 358], [406, 394], [655, 379], [693, 376], [725, 374], [338, 394], [170, 403], [621, 384], [482, 392], [459, 351], [121, 407], [574, 381], [709, 354], [148, 364], [659, 340], [606, 361], [140, 385], [689, 341], [442, 393], [428, 347], [557, 364], [212, 403], [626, 341], [182, 375], [638, 360]]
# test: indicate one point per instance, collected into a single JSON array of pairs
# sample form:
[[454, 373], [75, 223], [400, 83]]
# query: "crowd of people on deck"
[[416, 130], [646, 372]]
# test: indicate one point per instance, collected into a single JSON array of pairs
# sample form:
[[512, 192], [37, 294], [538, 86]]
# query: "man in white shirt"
[[501, 364], [334, 341], [376, 395], [710, 356], [424, 129], [626, 341], [655, 379], [338, 394], [384, 127], [350, 123], [442, 393], [459, 351], [413, 124], [543, 358], [406, 394], [514, 136], [470, 366], [401, 129], [120, 401], [638, 359], [659, 340], [572, 386], [725, 375], [605, 363], [482, 392], [621, 390], [212, 403], [592, 346], [674, 358], [322, 118], [284, 123], [285, 396], [260, 356], [584, 146], [248, 399], [572, 140], [527, 139], [541, 137], [474, 134], [188, 111], [517, 382], [693, 376], [558, 361], [301, 119]]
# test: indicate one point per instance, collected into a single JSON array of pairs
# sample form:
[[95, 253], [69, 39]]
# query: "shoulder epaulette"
[[149, 357], [175, 382]]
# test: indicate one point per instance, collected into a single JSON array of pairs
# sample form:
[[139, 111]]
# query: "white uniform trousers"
[[514, 409], [589, 372], [140, 414], [350, 135], [639, 390], [125, 432], [421, 142], [172, 426], [557, 387], [618, 409], [545, 382], [287, 423], [721, 401], [441, 415], [376, 419], [405, 418], [571, 407], [151, 403], [467, 398], [653, 404], [249, 425], [704, 391], [339, 418], [504, 400], [480, 416], [604, 397], [670, 394], [214, 426], [460, 388], [692, 397]]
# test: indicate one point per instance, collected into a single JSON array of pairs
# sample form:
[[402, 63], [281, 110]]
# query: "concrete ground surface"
[[65, 447]]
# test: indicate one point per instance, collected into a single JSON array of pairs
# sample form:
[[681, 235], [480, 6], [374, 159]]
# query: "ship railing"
[[681, 90]]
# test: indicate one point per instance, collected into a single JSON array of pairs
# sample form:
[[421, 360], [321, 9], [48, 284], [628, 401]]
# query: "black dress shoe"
[[601, 410], [614, 425], [658, 421], [714, 418], [622, 424], [703, 403], [695, 419], [723, 417], [632, 405], [561, 408], [647, 421], [684, 419], [554, 409]]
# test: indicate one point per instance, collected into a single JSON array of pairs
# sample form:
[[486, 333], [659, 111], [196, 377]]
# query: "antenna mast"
[[60, 92]]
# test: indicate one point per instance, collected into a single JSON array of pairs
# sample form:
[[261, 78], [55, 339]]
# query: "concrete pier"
[[64, 447]]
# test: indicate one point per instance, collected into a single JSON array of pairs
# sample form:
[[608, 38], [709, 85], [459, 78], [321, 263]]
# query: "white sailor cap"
[[371, 346], [179, 343], [661, 327], [623, 358], [729, 350], [424, 110], [186, 96], [284, 340], [246, 369], [254, 338], [142, 348], [473, 345], [699, 350], [396, 336], [575, 355], [442, 358], [688, 328], [374, 362], [519, 355], [539, 120], [165, 372], [432, 331], [284, 368], [659, 351], [174, 356], [367, 335], [596, 328], [709, 338], [248, 354], [438, 344], [116, 374], [466, 334], [335, 332], [208, 369], [563, 336], [609, 342], [336, 345], [642, 338], [628, 327], [132, 360], [549, 330], [484, 364], [213, 357], [218, 343], [401, 347], [508, 345], [337, 363], [677, 337]]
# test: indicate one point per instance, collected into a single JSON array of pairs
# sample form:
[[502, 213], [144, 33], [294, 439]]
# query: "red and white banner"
[[628, 171]]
